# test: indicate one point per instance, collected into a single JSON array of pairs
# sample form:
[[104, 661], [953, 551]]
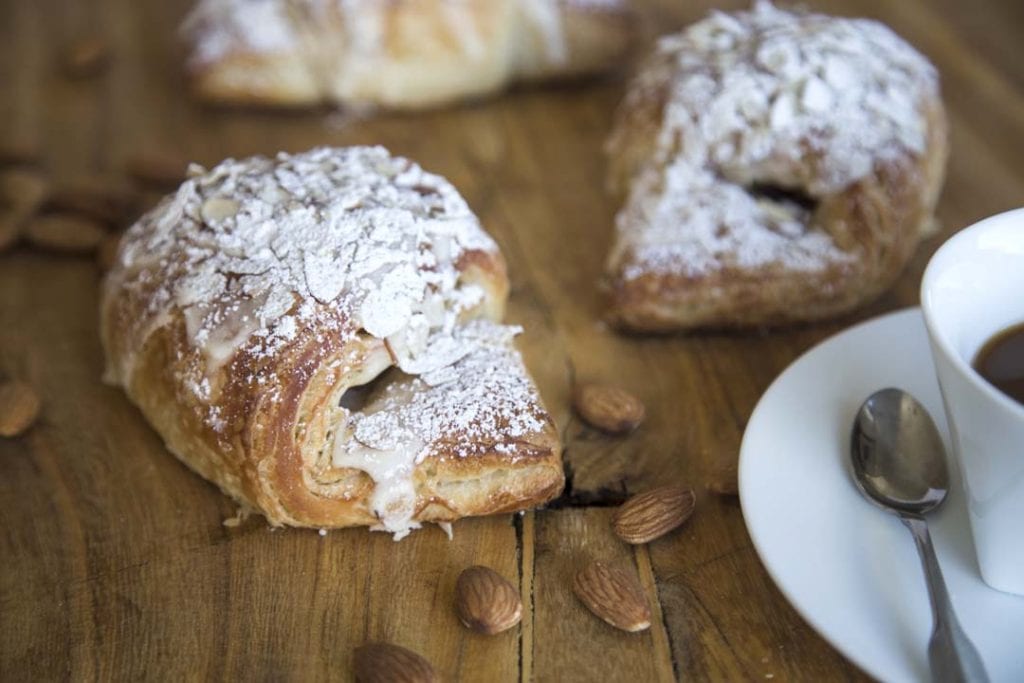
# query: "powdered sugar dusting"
[[483, 398], [340, 244], [695, 224], [220, 27], [254, 250], [792, 100], [225, 26], [483, 402]]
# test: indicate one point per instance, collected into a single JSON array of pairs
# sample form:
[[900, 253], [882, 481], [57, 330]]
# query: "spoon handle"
[[952, 656]]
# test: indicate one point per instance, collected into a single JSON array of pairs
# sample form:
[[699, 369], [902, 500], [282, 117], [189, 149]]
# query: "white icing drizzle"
[[481, 402], [337, 242], [794, 100]]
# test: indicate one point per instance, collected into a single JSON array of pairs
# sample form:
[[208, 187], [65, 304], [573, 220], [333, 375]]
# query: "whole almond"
[[85, 57], [65, 232], [652, 514], [19, 408], [19, 152], [106, 200], [387, 663], [608, 408], [23, 190], [10, 230], [486, 602], [613, 595], [724, 481]]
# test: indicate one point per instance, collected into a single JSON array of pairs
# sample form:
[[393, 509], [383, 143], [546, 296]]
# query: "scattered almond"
[[102, 199], [23, 191], [725, 482], [652, 514], [387, 663], [10, 230], [106, 254], [160, 170], [19, 153], [85, 57], [608, 408], [19, 408], [486, 602], [65, 232], [614, 596]]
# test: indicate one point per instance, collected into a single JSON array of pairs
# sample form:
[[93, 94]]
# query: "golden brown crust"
[[597, 39], [278, 414], [881, 219], [256, 79], [265, 461], [873, 223], [404, 54]]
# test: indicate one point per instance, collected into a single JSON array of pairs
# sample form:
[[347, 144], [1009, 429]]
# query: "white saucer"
[[849, 568]]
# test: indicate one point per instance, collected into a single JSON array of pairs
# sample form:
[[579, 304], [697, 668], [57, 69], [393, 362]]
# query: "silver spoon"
[[899, 463]]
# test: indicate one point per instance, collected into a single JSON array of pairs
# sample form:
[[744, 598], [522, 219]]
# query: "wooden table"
[[114, 562]]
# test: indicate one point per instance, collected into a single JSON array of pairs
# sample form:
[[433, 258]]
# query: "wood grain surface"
[[114, 562]]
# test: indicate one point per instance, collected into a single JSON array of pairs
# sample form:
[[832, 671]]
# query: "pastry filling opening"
[[356, 398], [786, 196], [468, 394]]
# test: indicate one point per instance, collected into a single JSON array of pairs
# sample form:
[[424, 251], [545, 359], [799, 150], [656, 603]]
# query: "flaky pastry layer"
[[318, 335]]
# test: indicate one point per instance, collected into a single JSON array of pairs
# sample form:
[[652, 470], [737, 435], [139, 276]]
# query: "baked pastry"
[[400, 54], [318, 335], [777, 166]]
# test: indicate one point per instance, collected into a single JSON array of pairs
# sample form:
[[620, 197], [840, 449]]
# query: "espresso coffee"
[[1001, 362]]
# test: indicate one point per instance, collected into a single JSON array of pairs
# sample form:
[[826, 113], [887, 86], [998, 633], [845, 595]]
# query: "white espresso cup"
[[973, 288]]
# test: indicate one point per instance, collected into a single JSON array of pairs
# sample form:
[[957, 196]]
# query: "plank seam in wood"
[[525, 531], [659, 630]]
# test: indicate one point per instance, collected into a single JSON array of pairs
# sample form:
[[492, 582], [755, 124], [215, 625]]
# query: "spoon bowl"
[[898, 458], [899, 463]]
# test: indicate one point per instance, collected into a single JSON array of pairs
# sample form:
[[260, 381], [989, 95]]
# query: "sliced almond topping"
[[649, 515], [217, 209], [387, 663], [19, 408], [486, 602], [614, 596]]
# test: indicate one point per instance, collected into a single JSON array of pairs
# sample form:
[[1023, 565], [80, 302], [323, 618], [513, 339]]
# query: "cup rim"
[[940, 340]]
